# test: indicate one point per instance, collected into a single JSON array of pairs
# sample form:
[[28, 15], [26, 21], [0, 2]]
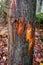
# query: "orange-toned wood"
[[21, 27], [29, 36]]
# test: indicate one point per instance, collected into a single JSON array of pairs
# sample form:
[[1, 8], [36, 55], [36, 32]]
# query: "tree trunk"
[[26, 9]]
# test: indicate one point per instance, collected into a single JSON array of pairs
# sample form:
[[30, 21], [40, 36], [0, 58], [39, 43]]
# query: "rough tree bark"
[[10, 45], [25, 8]]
